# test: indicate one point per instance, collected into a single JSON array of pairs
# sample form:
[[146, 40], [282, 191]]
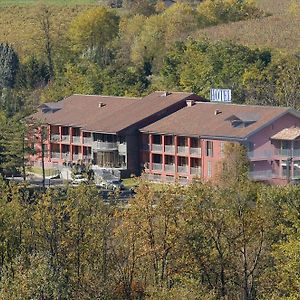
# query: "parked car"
[[79, 179], [112, 184]]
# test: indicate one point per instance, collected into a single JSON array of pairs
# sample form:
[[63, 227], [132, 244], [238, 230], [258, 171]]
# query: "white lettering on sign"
[[220, 95]]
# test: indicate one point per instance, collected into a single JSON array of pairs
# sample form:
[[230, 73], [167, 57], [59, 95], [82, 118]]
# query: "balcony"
[[169, 179], [183, 149], [182, 169], [157, 148], [65, 139], [76, 139], [66, 156], [87, 141], [260, 154], [183, 180], [86, 157], [196, 171], [169, 168], [195, 151], [288, 152], [55, 155], [55, 138], [76, 157], [105, 146], [261, 175], [156, 166], [170, 149]]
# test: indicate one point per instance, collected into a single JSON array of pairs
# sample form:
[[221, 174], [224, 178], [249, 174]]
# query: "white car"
[[79, 179]]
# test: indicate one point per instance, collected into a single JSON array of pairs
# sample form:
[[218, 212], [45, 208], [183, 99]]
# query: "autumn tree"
[[227, 234], [92, 31]]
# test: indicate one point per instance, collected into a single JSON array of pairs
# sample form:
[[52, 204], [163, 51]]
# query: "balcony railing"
[[169, 168], [170, 149], [87, 157], [156, 166], [76, 139], [182, 169], [76, 156], [55, 154], [196, 171], [169, 179], [87, 140], [65, 138], [296, 153], [156, 178], [55, 137], [105, 146], [65, 156], [157, 148], [260, 154], [288, 152], [183, 181], [261, 175], [182, 149], [195, 151]]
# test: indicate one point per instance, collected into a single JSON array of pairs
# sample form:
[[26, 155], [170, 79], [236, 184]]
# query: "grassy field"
[[19, 23], [48, 2], [38, 171], [279, 31]]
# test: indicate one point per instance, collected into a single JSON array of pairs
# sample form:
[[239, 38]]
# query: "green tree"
[[227, 235], [9, 63], [13, 150], [139, 7], [92, 31], [212, 12]]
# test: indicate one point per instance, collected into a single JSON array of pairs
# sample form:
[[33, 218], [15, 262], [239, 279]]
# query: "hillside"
[[20, 25], [48, 2], [279, 31]]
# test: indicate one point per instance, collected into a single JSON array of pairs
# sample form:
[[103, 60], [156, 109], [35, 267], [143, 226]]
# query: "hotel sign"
[[220, 95]]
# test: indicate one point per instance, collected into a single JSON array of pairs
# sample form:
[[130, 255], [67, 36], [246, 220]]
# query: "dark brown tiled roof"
[[118, 113], [83, 110], [138, 111], [215, 120]]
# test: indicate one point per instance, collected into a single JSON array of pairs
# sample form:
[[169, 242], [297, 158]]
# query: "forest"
[[226, 239]]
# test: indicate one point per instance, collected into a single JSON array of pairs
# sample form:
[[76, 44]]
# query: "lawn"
[[38, 171], [48, 2]]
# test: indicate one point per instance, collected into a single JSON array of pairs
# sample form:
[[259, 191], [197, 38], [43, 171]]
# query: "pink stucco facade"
[[268, 160]]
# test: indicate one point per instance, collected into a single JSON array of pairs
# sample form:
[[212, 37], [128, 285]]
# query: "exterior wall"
[[264, 150], [214, 160], [176, 162], [132, 155], [265, 163]]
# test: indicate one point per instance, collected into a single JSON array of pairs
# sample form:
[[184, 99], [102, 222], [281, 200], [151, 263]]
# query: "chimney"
[[217, 112], [190, 103], [165, 94], [101, 104]]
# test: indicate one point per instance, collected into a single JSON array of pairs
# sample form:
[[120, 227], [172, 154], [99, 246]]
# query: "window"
[[296, 169], [222, 149], [209, 148], [209, 169], [285, 168]]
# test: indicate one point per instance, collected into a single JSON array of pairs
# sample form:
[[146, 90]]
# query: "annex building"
[[170, 136]]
